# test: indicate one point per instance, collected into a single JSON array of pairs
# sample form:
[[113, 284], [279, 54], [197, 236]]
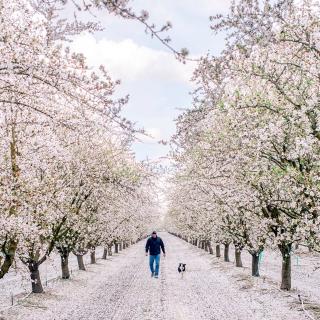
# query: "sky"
[[159, 86]]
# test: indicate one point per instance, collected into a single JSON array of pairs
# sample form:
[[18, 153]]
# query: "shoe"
[[156, 276], [152, 274]]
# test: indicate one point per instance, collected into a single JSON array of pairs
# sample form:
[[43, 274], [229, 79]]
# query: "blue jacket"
[[153, 245]]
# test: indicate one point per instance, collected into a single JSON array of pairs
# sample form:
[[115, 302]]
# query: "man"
[[153, 245]]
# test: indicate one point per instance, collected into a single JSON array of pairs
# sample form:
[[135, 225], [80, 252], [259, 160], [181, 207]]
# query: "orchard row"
[[248, 153], [68, 179]]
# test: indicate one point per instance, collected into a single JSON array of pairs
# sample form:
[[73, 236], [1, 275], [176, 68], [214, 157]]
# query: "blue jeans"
[[152, 260]]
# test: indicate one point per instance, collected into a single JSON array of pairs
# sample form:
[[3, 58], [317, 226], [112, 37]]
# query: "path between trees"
[[121, 289]]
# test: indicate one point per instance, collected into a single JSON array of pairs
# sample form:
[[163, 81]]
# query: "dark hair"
[[154, 232]]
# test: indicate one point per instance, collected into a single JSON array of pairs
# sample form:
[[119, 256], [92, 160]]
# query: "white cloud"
[[153, 136], [168, 9], [129, 61]]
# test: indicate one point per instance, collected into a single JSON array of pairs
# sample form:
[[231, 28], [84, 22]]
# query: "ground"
[[121, 288]]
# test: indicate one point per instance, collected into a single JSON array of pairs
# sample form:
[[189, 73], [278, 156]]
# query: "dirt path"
[[122, 289]]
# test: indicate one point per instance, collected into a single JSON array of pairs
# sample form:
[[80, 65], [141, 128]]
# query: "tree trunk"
[[218, 251], [116, 248], [210, 247], [202, 244], [80, 262], [10, 245], [196, 242], [206, 247], [286, 266], [226, 252], [93, 257], [255, 264], [35, 277], [65, 265], [110, 251], [6, 264], [238, 258], [105, 253]]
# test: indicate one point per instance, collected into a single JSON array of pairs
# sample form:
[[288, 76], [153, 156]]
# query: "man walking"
[[153, 245]]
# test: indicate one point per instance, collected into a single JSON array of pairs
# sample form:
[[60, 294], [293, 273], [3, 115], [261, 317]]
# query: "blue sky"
[[157, 83]]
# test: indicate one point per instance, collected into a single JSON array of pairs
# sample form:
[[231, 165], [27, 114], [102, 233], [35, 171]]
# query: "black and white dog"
[[182, 269]]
